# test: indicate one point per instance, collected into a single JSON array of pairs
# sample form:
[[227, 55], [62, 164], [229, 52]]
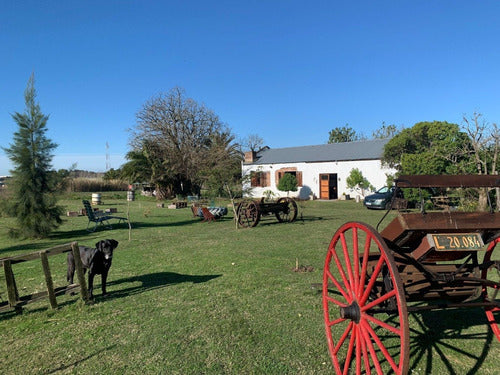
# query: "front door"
[[328, 186]]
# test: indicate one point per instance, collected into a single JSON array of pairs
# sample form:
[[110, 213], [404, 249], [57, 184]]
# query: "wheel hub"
[[352, 312]]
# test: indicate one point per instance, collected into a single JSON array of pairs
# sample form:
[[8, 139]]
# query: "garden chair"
[[98, 218]]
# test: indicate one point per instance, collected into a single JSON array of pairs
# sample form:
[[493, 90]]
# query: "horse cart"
[[420, 261], [250, 212]]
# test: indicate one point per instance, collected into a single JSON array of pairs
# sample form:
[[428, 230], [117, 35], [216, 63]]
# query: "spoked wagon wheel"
[[248, 214], [492, 292], [364, 305], [290, 213]]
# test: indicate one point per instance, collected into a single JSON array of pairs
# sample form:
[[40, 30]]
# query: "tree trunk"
[[483, 200]]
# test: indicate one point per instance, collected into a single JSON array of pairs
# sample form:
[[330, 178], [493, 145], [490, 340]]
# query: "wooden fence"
[[16, 302]]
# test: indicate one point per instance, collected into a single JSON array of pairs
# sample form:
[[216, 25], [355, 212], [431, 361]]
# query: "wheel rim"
[[248, 214], [491, 293], [290, 214], [355, 294]]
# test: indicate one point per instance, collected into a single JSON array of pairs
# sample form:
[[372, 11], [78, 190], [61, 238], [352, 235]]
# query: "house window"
[[293, 171], [260, 179]]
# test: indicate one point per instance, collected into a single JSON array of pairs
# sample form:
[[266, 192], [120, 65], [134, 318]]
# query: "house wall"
[[372, 170]]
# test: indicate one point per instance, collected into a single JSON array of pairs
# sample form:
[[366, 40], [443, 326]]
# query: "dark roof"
[[359, 150]]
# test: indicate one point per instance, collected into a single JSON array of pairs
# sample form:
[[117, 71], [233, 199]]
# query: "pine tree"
[[33, 201]]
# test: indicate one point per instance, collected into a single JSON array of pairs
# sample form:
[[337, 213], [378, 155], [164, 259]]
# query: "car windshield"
[[383, 190]]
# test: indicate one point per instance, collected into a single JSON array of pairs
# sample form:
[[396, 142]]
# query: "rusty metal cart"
[[420, 261], [250, 212]]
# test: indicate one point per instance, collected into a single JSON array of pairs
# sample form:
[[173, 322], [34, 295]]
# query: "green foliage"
[[428, 148], [357, 181], [33, 201], [343, 134], [287, 183]]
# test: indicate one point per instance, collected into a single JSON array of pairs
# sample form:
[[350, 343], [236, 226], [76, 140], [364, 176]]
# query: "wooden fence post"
[[12, 293], [48, 279], [79, 271]]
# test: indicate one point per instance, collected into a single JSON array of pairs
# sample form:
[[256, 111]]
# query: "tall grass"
[[82, 184]]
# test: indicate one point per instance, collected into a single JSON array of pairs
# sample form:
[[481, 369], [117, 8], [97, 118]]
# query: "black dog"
[[97, 261]]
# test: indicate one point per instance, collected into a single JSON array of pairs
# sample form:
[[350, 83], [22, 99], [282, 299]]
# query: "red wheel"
[[289, 214], [490, 292], [364, 305], [248, 214]]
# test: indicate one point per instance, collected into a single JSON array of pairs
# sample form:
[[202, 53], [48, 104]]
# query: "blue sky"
[[289, 71]]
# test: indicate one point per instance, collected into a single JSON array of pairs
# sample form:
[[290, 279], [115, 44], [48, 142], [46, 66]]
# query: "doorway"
[[328, 186]]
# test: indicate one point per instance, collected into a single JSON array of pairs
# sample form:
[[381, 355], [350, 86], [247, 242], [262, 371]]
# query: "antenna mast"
[[108, 166]]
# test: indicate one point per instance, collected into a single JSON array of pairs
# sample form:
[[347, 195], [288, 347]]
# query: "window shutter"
[[254, 181], [266, 179], [299, 178]]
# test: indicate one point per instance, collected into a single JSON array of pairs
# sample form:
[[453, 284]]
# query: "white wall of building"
[[372, 170]]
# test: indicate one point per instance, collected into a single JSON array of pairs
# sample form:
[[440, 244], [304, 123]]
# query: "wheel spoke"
[[371, 349], [337, 302], [383, 324], [348, 262], [342, 338], [336, 321], [366, 358], [358, 352], [381, 347], [349, 351], [342, 274], [339, 287], [381, 299], [364, 266], [355, 248], [373, 278]]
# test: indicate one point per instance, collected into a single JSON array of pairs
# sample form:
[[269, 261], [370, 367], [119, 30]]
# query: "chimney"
[[250, 156]]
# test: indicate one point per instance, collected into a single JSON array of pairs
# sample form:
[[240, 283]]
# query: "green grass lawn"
[[189, 297]]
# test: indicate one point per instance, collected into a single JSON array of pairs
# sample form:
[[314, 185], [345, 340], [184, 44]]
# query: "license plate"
[[456, 241]]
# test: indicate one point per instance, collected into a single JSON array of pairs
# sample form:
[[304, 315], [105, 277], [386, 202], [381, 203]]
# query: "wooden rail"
[[16, 302]]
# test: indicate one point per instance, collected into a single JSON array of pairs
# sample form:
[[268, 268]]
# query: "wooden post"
[[79, 271], [48, 279], [12, 294]]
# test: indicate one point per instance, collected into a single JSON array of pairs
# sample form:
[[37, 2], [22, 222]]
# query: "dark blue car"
[[380, 200]]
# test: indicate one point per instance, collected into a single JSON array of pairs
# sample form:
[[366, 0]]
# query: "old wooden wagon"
[[250, 212], [419, 261]]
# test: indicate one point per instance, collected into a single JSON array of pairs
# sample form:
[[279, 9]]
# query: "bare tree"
[[484, 149], [253, 142], [178, 131]]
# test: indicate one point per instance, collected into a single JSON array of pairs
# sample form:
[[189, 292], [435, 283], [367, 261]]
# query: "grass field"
[[188, 297]]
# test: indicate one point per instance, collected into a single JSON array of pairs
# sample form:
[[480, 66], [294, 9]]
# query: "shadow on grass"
[[73, 235], [78, 361], [437, 334], [442, 339], [155, 281]]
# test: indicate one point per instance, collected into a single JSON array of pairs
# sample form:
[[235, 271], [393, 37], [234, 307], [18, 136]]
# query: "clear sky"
[[289, 71]]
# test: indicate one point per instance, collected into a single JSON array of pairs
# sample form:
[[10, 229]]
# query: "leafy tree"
[[358, 182], [385, 131], [222, 170], [33, 202], [428, 148], [343, 134], [287, 183], [175, 134]]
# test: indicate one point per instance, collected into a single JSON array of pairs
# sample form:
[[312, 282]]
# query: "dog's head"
[[107, 247]]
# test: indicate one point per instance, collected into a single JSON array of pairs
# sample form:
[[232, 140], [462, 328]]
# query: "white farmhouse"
[[321, 170]]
